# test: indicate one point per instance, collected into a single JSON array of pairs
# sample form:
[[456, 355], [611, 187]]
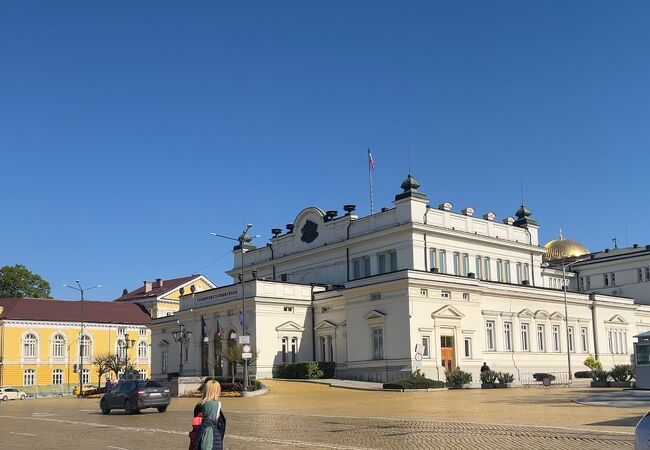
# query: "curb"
[[262, 391]]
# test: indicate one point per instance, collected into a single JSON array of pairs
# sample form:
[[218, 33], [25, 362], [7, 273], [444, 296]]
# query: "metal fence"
[[48, 390], [545, 379]]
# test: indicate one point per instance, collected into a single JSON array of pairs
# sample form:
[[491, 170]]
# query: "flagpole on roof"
[[371, 167]]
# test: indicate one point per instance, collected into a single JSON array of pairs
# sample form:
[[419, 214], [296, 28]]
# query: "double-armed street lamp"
[[243, 239], [182, 336], [125, 346], [81, 290]]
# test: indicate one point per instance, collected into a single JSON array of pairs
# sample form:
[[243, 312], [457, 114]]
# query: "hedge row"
[[305, 370], [417, 380]]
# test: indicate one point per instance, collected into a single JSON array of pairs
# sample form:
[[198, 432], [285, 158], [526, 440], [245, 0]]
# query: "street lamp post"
[[242, 239], [181, 336], [128, 344], [566, 318], [81, 340]]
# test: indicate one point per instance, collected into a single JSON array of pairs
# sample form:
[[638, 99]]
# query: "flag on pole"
[[204, 330], [371, 161], [241, 319], [218, 329]]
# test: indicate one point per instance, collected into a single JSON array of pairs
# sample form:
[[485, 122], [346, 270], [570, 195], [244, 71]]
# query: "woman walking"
[[210, 434]]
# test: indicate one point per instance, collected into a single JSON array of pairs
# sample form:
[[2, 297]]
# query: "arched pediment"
[[541, 314], [447, 312], [527, 313], [290, 326], [557, 316], [308, 224]]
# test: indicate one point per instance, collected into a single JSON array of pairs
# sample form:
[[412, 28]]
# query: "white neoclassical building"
[[364, 291]]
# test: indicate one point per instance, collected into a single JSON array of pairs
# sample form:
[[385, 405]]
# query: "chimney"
[[159, 282], [147, 286], [125, 291]]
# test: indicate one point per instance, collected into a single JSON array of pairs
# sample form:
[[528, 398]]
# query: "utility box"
[[642, 360]]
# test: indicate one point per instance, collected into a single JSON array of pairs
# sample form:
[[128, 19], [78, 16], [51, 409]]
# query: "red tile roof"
[[70, 311], [168, 285]]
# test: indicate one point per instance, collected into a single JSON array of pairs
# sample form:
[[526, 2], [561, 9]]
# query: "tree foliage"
[[101, 366], [19, 282]]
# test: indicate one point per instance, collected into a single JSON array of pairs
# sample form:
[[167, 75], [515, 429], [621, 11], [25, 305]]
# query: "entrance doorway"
[[447, 354]]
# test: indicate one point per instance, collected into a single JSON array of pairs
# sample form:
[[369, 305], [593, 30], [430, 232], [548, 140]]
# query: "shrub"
[[505, 377], [416, 380], [305, 370], [599, 375], [583, 374], [458, 377], [592, 363], [489, 376], [541, 375], [622, 372]]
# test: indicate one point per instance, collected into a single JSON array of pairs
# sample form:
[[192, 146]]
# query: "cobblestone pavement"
[[298, 415]]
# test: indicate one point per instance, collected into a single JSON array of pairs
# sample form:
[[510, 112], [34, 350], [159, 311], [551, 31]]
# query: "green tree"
[[19, 282], [101, 365]]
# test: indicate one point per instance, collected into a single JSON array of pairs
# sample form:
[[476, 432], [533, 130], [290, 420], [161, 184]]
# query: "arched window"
[[121, 349], [29, 377], [57, 376], [142, 349], [85, 346], [58, 346], [29, 346]]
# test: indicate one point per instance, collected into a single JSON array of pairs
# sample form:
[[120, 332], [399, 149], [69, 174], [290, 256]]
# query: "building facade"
[[363, 292], [160, 297], [41, 341]]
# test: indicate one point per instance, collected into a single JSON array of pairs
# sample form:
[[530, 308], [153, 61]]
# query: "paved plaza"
[[312, 416]]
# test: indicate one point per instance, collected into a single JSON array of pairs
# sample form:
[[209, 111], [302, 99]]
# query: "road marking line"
[[184, 433], [117, 448], [43, 414], [23, 434], [411, 419]]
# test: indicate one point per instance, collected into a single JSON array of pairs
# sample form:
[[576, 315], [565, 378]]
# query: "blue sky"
[[130, 130]]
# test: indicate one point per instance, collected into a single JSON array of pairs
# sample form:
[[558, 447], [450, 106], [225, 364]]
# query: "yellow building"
[[41, 341], [160, 297]]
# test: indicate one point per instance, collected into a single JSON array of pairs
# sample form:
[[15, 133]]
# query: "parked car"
[[642, 433], [87, 390], [135, 395], [12, 394]]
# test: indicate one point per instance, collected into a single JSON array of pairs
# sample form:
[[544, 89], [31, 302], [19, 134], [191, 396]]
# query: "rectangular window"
[[489, 335], [445, 294], [375, 296], [468, 347], [143, 332], [507, 277], [647, 274], [541, 338], [443, 261], [294, 349], [571, 340], [582, 284], [584, 340], [381, 263], [556, 338], [613, 278], [356, 269], [288, 309], [330, 348], [425, 344], [507, 335], [518, 273], [479, 268], [456, 263], [466, 269], [606, 279], [85, 376], [499, 270], [285, 350], [610, 343], [525, 338], [588, 282], [526, 272], [57, 376], [366, 266], [164, 362], [121, 331], [639, 275], [323, 348], [29, 377], [377, 343], [487, 272], [433, 258], [624, 342], [393, 261]]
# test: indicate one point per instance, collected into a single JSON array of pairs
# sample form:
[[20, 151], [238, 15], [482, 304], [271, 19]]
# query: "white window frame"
[[507, 336], [572, 347], [541, 337], [29, 377], [467, 347], [557, 342], [584, 339], [479, 267], [426, 343], [525, 336], [500, 270], [58, 346], [457, 263], [143, 350], [57, 377], [488, 269], [85, 376], [377, 336], [30, 345], [433, 258], [164, 361], [490, 341], [442, 255]]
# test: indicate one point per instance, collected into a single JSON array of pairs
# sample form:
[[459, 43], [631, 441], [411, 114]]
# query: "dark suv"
[[134, 395]]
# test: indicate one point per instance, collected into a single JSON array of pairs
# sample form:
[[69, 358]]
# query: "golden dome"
[[564, 249]]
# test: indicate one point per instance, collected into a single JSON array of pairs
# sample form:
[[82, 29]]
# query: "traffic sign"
[[419, 348], [246, 355], [418, 356], [246, 348], [245, 339]]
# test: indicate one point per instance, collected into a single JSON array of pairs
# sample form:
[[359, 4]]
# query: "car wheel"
[[162, 409], [5, 398], [22, 397], [127, 407], [104, 407]]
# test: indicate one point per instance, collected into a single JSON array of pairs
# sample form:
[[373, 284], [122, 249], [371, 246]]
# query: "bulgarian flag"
[[371, 161]]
